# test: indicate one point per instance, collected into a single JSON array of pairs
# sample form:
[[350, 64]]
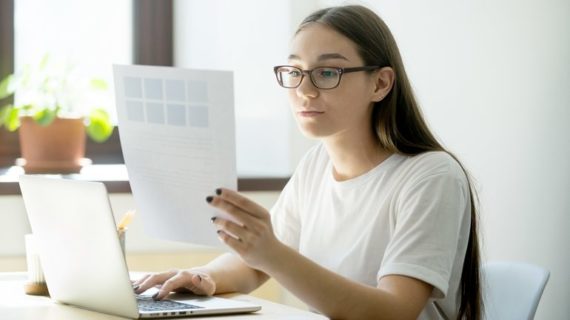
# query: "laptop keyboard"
[[146, 303]]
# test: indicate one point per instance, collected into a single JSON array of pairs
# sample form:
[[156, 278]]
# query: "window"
[[248, 37], [89, 36], [94, 34]]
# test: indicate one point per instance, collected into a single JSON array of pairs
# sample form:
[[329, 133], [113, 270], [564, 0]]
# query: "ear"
[[383, 83]]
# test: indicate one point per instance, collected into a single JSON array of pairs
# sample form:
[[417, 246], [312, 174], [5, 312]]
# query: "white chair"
[[512, 290]]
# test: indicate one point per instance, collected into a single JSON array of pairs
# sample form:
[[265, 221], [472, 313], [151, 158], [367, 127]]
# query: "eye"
[[326, 73], [289, 72], [294, 73]]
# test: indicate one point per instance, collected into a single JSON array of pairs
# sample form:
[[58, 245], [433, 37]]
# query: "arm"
[[226, 273], [396, 297], [231, 274]]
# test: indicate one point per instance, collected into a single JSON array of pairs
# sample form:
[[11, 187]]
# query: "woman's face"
[[344, 110]]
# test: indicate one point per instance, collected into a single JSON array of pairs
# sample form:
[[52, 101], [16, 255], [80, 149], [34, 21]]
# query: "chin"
[[313, 132]]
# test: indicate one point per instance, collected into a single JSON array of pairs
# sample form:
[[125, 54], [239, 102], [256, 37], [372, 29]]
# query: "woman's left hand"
[[251, 235]]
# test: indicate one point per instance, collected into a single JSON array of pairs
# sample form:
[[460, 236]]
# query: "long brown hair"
[[399, 123]]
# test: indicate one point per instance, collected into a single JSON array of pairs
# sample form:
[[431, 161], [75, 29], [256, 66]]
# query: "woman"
[[378, 221]]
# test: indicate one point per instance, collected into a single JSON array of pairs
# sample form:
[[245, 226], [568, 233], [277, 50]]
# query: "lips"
[[309, 113]]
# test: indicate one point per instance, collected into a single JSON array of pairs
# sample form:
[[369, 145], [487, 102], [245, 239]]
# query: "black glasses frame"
[[309, 72]]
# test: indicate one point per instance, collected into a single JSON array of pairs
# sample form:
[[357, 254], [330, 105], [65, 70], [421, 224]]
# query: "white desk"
[[15, 304]]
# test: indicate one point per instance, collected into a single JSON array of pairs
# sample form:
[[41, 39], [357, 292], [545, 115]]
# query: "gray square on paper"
[[135, 111], [133, 87], [197, 91], [153, 89], [176, 114], [155, 112], [198, 116], [174, 90]]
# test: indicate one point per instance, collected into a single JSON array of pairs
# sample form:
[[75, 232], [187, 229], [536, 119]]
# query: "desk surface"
[[15, 304]]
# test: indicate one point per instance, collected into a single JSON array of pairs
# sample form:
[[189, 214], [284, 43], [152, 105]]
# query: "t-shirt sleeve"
[[285, 215], [429, 214]]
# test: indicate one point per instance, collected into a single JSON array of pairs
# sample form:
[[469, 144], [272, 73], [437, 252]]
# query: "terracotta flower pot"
[[56, 148]]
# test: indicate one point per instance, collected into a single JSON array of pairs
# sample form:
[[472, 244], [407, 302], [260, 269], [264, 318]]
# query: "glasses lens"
[[325, 78], [289, 77]]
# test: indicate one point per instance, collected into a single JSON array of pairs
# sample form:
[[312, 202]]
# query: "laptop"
[[82, 259]]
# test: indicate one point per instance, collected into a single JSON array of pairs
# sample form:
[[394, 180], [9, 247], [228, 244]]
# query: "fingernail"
[[213, 219], [219, 191], [135, 288], [199, 278], [209, 199], [219, 231], [154, 296]]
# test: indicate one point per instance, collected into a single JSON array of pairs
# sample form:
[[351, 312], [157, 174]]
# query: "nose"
[[307, 89]]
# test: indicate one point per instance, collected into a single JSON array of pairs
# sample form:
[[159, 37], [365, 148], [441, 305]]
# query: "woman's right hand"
[[193, 280]]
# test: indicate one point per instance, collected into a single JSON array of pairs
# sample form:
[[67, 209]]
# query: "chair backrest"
[[512, 290]]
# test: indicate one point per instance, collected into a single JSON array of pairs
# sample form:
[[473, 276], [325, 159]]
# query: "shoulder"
[[431, 165], [433, 162], [433, 178]]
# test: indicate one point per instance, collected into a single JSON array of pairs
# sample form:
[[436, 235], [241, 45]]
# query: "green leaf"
[[99, 84], [45, 117], [6, 86], [3, 113], [12, 119], [100, 127]]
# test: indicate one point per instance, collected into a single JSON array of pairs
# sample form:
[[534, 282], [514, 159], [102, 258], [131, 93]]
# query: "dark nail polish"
[[219, 191], [135, 288], [219, 231], [199, 278], [155, 296], [213, 219], [209, 199]]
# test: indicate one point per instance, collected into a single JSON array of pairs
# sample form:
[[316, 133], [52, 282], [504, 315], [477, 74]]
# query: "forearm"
[[397, 297], [231, 274], [335, 296]]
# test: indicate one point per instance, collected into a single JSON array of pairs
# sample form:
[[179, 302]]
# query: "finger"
[[180, 280], [189, 286], [137, 282], [153, 280], [233, 243], [187, 281], [243, 218], [242, 202], [229, 227], [204, 284]]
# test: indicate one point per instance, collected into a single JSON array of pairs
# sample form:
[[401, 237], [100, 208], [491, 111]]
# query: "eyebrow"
[[322, 57]]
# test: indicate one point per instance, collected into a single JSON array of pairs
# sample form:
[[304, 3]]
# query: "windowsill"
[[116, 179]]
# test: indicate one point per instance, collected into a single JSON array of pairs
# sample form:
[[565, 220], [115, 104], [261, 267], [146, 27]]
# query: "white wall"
[[493, 78]]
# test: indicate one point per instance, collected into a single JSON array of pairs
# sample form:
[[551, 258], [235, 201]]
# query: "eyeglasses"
[[322, 77]]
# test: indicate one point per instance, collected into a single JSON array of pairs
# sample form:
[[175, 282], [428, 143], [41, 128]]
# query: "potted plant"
[[54, 109]]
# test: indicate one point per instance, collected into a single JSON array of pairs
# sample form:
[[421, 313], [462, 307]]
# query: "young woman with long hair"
[[378, 221]]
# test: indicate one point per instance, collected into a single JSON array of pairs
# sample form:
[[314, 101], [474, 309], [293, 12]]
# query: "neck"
[[354, 154]]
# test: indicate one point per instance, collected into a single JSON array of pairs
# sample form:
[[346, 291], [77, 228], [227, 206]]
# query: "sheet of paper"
[[177, 133]]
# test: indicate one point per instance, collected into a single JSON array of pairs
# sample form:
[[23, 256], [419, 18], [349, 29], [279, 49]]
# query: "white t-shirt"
[[407, 216]]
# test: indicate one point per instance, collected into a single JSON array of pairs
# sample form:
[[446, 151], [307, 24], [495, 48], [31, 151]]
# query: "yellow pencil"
[[127, 218]]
